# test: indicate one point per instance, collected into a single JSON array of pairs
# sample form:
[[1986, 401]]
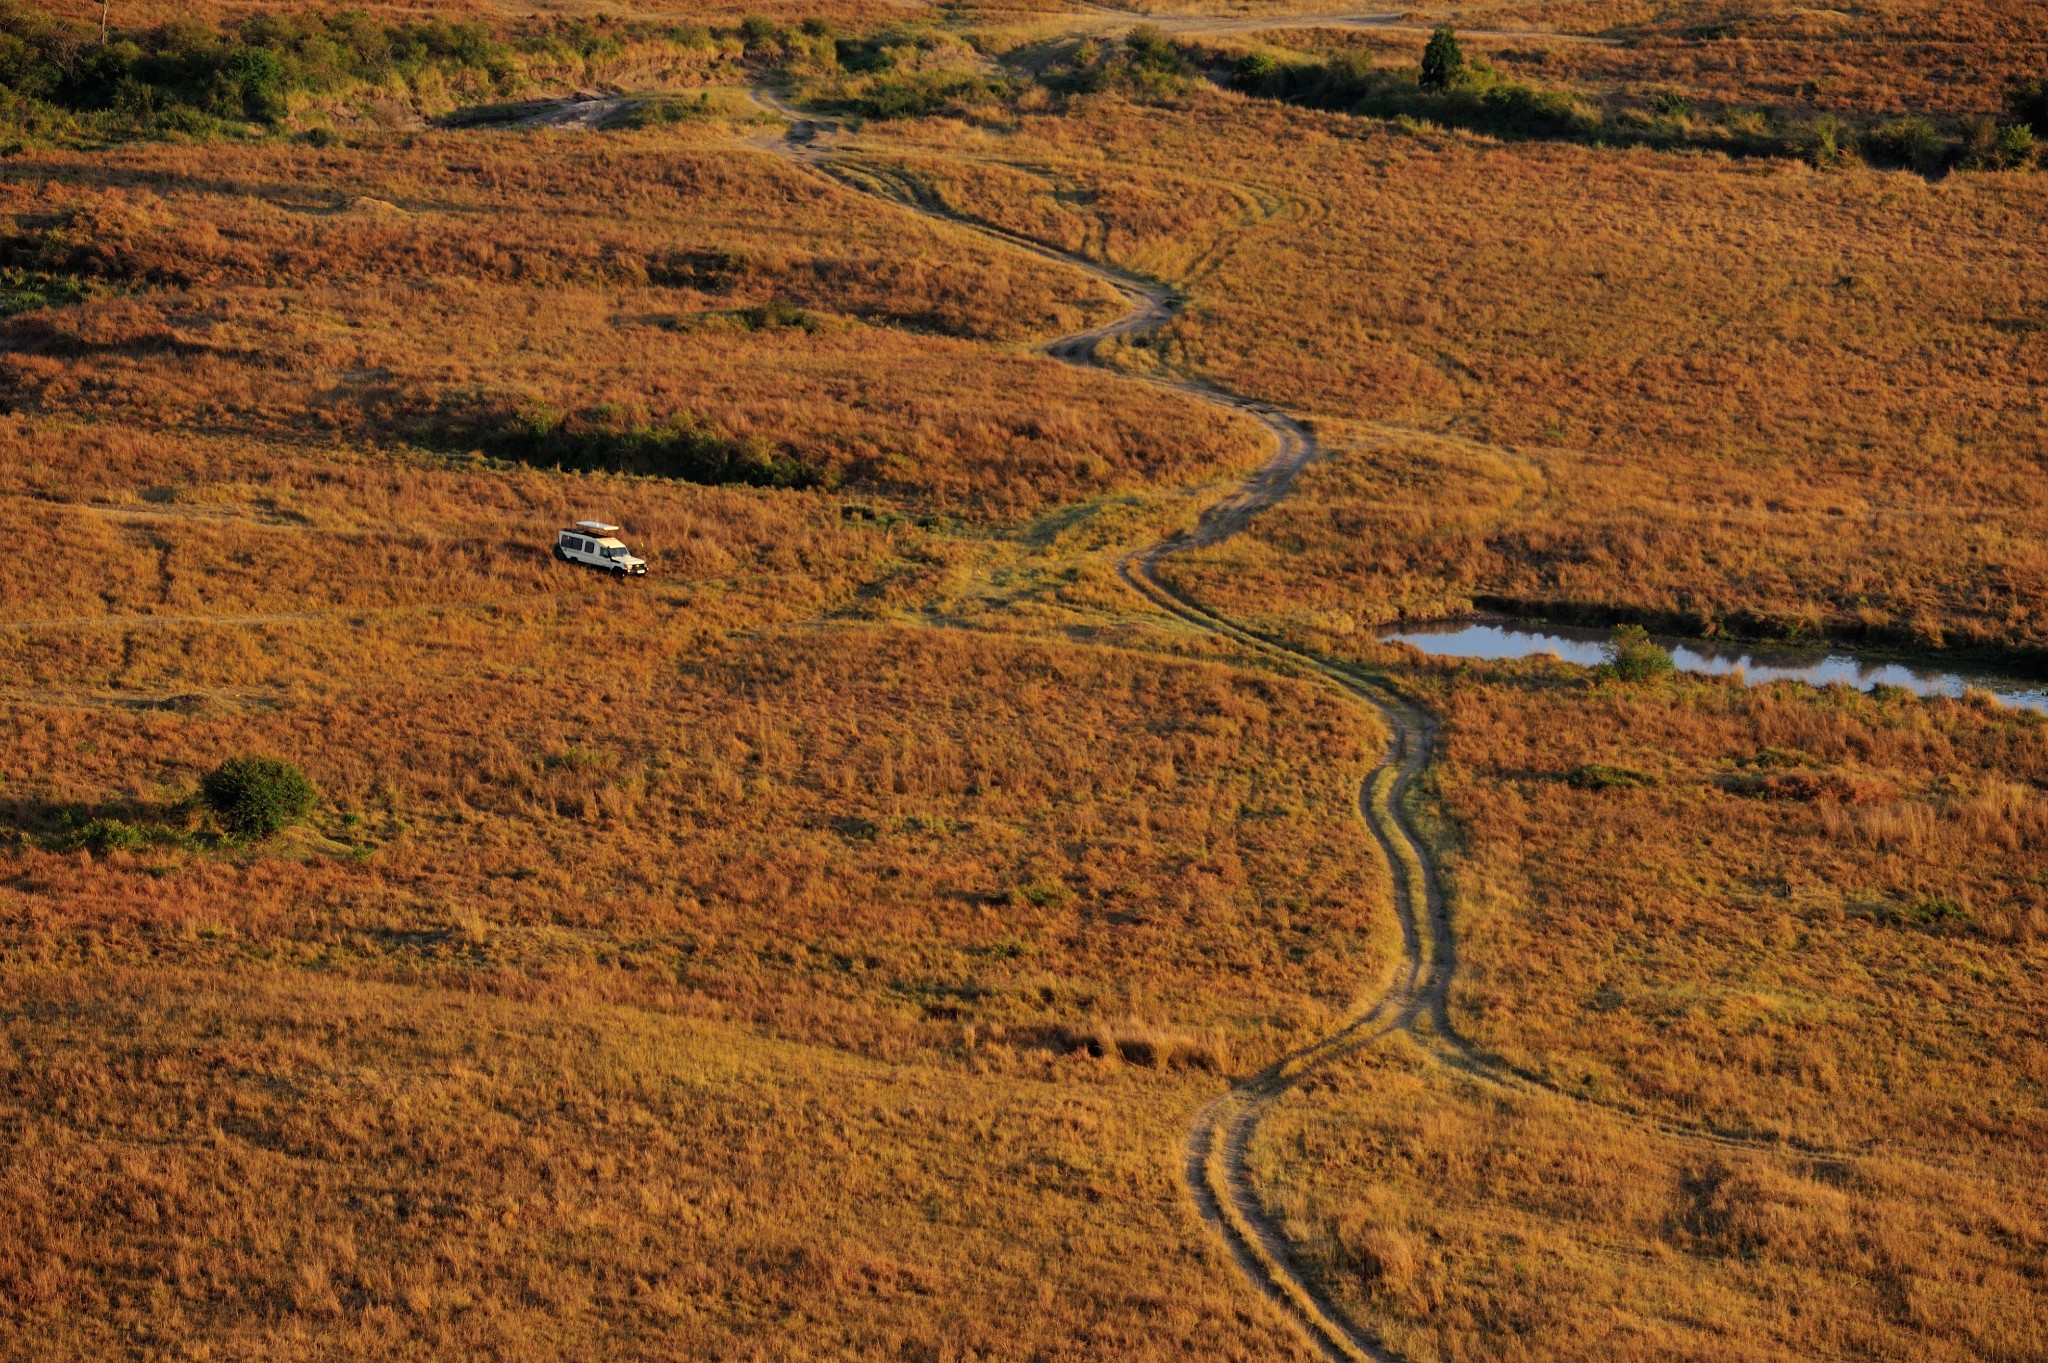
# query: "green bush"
[[1910, 142], [2026, 104], [2017, 146], [1254, 67], [922, 93], [1824, 141], [1443, 61], [1632, 656], [1597, 776], [255, 797], [102, 836], [1988, 146], [681, 445], [1938, 912], [1670, 104]]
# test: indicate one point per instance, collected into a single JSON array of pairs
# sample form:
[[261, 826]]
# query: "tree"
[[257, 796], [1443, 61]]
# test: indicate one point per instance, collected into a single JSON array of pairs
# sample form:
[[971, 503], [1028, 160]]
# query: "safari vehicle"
[[591, 544]]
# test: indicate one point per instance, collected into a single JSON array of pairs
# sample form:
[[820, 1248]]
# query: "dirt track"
[[1215, 1166], [1416, 999]]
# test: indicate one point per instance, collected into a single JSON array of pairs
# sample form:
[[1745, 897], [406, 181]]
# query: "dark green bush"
[[2026, 104], [1597, 776], [255, 797], [182, 75], [1525, 111], [757, 30], [1443, 61], [2017, 147], [922, 93], [1254, 67], [1938, 912], [1632, 656], [1914, 143], [654, 113], [101, 836], [1147, 65], [1988, 146], [26, 290], [681, 445]]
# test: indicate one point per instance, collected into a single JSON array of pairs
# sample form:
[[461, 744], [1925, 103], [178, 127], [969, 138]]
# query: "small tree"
[[1632, 656], [257, 796], [1443, 61]]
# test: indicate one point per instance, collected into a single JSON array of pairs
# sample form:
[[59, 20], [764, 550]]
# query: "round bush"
[[257, 796], [1633, 656]]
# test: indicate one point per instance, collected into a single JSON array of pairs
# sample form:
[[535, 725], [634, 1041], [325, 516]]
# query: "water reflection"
[[1758, 663]]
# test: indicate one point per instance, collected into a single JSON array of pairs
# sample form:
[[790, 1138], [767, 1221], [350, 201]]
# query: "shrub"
[[102, 836], [255, 797], [1598, 776], [930, 92], [1824, 141], [2016, 146], [1987, 146], [1909, 142], [680, 445], [1443, 61], [1530, 112], [2026, 104], [1148, 48], [1632, 656], [1938, 912], [1670, 104], [1255, 68]]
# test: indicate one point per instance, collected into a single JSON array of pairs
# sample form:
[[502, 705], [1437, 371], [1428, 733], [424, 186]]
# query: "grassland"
[[1636, 373], [749, 869], [820, 948]]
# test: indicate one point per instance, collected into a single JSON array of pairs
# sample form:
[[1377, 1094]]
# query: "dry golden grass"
[[1655, 355], [251, 1163], [816, 949], [403, 289], [700, 966], [1882, 59], [1824, 918], [720, 972], [1475, 1224], [1820, 922]]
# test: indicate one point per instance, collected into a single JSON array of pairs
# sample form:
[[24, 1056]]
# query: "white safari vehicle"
[[591, 543]]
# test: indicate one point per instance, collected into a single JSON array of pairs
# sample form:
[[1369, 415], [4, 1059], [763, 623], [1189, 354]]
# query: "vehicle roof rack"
[[595, 527]]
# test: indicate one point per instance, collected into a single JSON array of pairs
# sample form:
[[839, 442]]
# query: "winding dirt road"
[[1417, 1000]]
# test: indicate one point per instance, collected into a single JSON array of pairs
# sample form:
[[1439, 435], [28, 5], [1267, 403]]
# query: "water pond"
[[1758, 663]]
